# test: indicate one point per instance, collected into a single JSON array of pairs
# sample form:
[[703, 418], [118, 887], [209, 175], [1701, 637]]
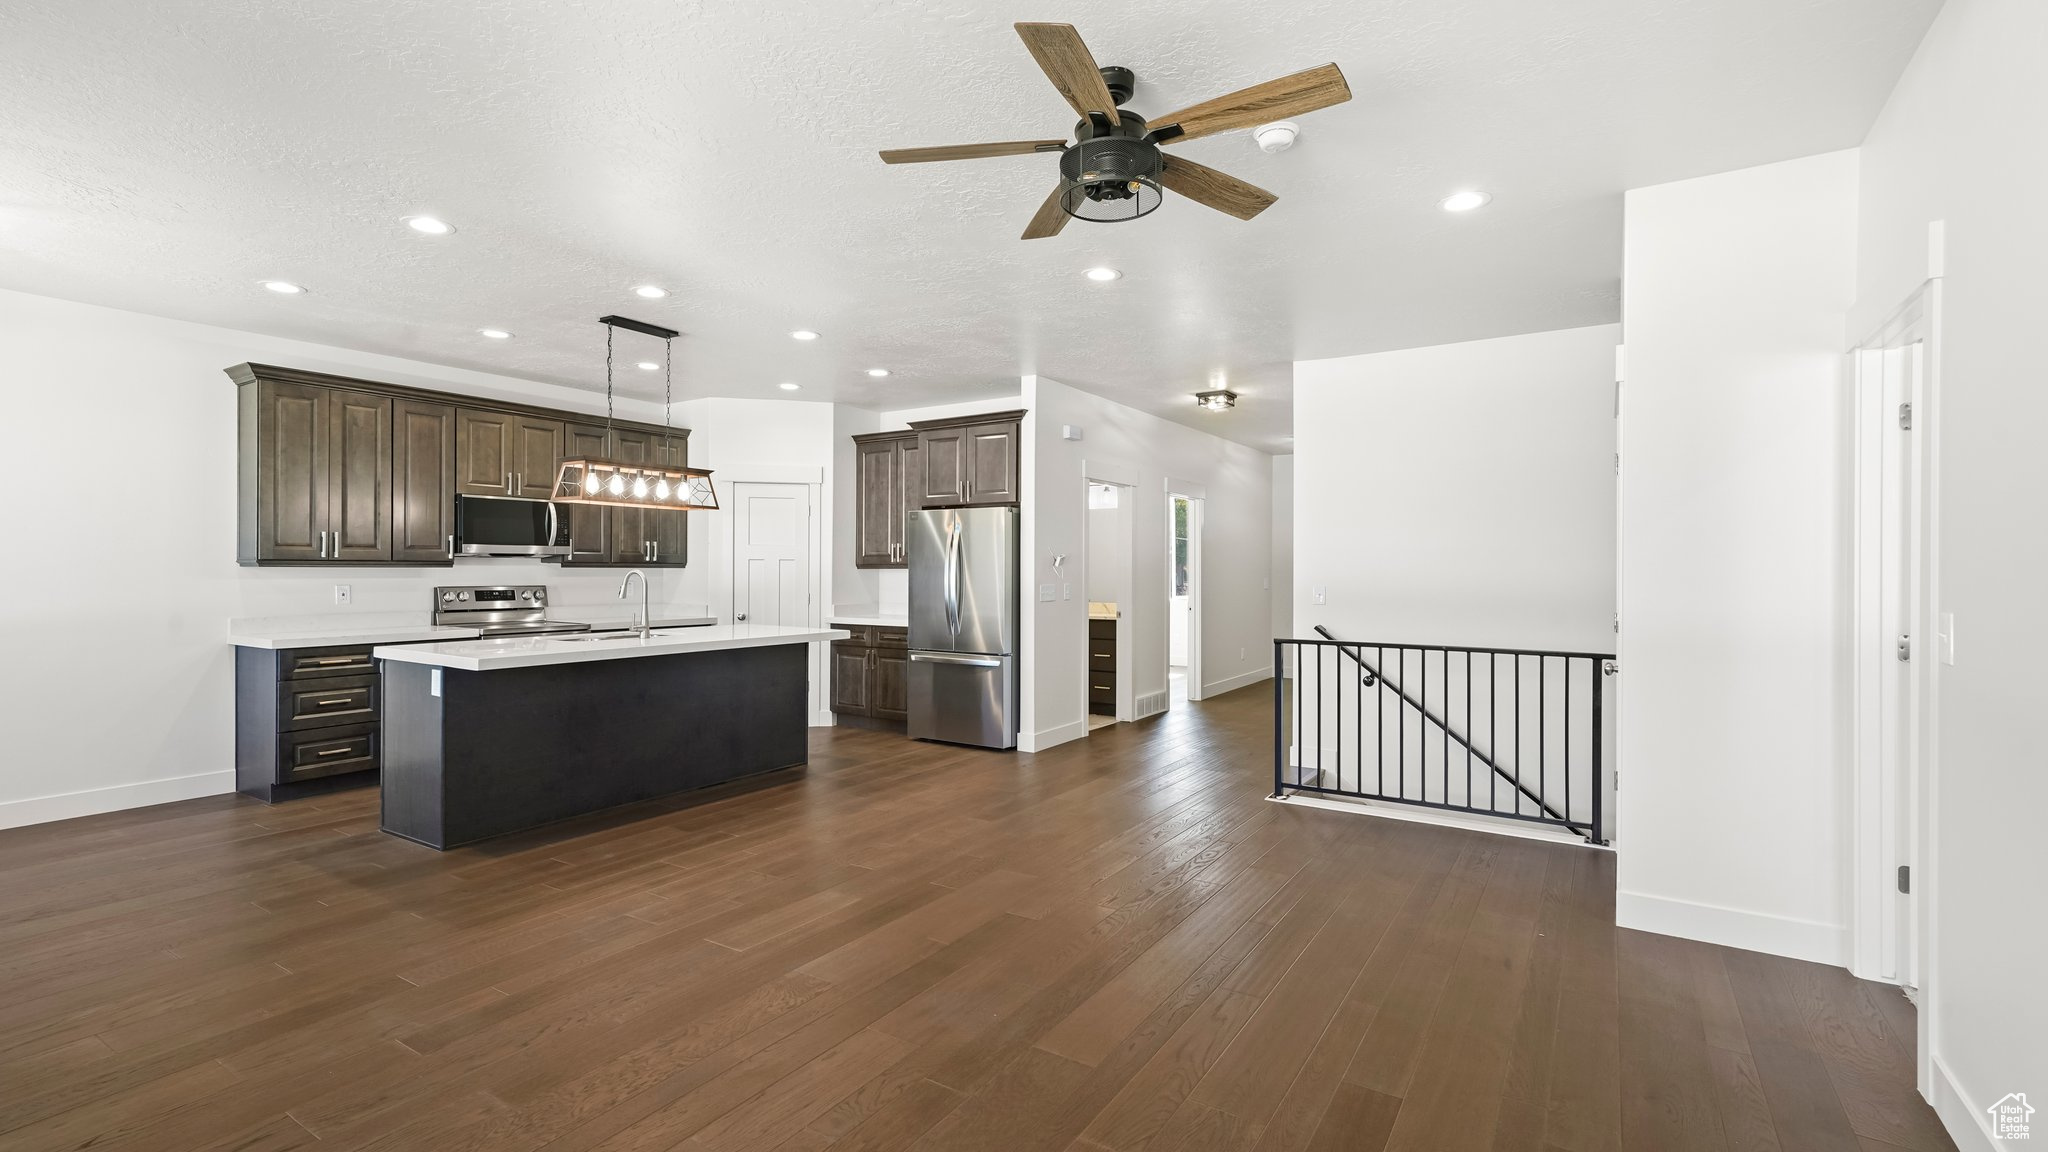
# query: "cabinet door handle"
[[336, 700], [451, 545], [323, 545], [508, 483], [333, 751]]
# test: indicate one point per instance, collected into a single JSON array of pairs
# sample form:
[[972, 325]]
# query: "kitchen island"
[[486, 737]]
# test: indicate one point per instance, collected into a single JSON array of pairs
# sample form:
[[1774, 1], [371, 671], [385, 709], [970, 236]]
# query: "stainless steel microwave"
[[509, 526]]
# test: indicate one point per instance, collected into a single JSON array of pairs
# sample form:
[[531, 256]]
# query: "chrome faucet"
[[643, 622]]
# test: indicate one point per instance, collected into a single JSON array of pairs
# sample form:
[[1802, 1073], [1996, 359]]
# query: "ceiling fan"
[[1114, 170]]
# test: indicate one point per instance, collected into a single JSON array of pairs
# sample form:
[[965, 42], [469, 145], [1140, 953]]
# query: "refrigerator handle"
[[953, 577]]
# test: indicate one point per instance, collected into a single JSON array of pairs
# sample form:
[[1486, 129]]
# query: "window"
[[1180, 546]]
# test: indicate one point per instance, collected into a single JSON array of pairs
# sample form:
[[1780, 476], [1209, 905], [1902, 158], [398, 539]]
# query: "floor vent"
[[1149, 704]]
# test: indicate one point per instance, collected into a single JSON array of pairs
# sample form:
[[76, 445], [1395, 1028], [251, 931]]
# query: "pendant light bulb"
[[590, 481], [616, 485], [639, 487], [661, 488]]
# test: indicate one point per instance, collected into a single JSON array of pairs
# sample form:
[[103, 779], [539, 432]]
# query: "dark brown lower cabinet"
[[1102, 667], [305, 720], [870, 677]]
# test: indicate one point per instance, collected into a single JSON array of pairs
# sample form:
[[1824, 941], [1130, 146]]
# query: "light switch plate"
[[1317, 593], [341, 594], [1067, 591], [1047, 593]]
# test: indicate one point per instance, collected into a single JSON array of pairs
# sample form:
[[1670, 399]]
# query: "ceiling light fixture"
[[429, 225], [1465, 201], [650, 292], [1103, 275], [1216, 400], [1277, 136], [631, 484], [494, 333], [647, 366], [878, 373], [283, 287], [787, 387], [803, 334]]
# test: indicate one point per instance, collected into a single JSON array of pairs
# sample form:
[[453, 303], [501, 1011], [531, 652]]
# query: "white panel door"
[[771, 578]]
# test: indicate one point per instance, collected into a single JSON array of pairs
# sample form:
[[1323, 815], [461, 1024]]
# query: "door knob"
[[739, 616]]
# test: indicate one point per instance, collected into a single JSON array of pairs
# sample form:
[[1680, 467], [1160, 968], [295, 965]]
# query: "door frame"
[[1882, 923], [1127, 541], [1198, 498]]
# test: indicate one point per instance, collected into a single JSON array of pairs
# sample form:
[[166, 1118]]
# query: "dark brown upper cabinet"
[[973, 461], [422, 482], [359, 477], [335, 470], [313, 475], [885, 489], [506, 453]]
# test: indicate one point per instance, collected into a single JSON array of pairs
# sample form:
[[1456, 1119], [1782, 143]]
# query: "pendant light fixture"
[[626, 484]]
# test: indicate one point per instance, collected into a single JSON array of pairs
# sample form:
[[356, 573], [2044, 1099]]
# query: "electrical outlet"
[[1047, 593], [1317, 594], [1240, 653], [341, 594]]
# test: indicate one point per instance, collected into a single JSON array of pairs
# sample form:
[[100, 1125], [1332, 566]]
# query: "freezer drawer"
[[963, 698]]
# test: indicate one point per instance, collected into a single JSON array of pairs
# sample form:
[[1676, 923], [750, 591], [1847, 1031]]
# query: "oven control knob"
[[462, 595], [526, 595], [539, 596], [447, 597]]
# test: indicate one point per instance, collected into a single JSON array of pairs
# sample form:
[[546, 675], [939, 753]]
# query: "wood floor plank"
[[1115, 944]]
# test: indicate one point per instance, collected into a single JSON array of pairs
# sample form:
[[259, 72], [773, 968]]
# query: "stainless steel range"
[[500, 609]]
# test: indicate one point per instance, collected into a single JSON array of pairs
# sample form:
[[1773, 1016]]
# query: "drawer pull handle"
[[336, 700], [337, 660], [334, 751]]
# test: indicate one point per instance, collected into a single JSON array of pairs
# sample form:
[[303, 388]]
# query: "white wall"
[[1282, 580], [1109, 560], [122, 590], [1733, 548], [1124, 446], [1460, 494], [1960, 142]]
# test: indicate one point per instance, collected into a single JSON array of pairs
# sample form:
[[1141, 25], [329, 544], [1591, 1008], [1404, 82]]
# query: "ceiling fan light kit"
[[610, 481], [1114, 171], [1216, 400]]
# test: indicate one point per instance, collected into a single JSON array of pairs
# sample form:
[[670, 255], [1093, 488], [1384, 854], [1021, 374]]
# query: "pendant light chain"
[[607, 387], [668, 362]]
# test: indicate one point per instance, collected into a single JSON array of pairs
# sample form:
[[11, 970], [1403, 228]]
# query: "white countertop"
[[531, 651], [870, 620], [340, 632]]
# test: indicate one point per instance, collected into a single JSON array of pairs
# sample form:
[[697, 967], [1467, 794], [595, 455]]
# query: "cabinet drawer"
[[892, 637], [1102, 630], [859, 634], [326, 752], [301, 662], [323, 701]]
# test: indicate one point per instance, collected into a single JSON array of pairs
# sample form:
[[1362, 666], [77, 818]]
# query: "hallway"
[[1116, 944]]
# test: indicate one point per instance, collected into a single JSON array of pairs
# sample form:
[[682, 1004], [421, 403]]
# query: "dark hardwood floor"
[[1119, 944]]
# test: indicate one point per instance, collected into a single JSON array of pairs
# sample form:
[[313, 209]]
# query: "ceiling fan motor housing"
[[1112, 171]]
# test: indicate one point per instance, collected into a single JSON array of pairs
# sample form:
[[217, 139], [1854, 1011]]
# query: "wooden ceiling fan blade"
[[1205, 185], [1049, 218], [1070, 66], [1256, 105], [970, 151]]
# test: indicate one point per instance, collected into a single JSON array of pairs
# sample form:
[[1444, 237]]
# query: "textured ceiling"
[[165, 156]]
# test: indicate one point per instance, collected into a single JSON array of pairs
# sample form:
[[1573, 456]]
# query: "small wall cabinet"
[[335, 470], [970, 463], [871, 677]]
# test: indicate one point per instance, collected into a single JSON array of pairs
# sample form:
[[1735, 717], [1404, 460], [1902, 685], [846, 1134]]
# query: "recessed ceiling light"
[[650, 292], [878, 373], [648, 366], [1103, 275], [429, 225], [494, 333], [803, 334], [789, 387], [283, 287], [1465, 201]]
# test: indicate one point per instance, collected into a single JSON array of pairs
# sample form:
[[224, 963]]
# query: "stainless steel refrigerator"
[[963, 626]]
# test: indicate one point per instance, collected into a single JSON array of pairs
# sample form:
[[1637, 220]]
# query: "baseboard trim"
[[1233, 683], [1968, 1125], [1052, 737], [1734, 927], [1516, 828], [113, 798]]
